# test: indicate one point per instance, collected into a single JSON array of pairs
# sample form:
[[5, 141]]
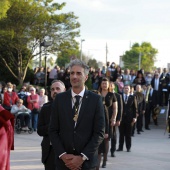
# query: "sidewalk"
[[150, 151]]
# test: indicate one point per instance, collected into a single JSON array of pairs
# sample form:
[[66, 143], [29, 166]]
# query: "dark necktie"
[[75, 108], [126, 98], [76, 105], [77, 100]]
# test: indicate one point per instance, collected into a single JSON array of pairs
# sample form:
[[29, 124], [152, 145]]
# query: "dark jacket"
[[42, 129], [86, 136]]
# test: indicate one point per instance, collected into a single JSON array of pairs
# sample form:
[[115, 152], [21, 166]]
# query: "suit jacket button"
[[74, 131]]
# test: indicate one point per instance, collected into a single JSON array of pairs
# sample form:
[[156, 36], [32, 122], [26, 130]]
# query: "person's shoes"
[[119, 149], [26, 128], [23, 128], [113, 154], [104, 164], [132, 135], [35, 130], [148, 128], [142, 131], [138, 133], [128, 150]]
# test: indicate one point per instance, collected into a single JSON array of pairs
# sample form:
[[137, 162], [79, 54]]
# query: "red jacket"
[[10, 100], [6, 138]]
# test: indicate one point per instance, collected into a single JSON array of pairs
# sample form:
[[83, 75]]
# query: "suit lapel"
[[83, 106]]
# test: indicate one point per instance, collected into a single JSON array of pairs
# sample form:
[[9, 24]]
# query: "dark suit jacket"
[[86, 136], [153, 84], [130, 109], [42, 129]]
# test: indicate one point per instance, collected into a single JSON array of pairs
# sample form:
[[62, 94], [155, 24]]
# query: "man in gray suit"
[[77, 123], [48, 156]]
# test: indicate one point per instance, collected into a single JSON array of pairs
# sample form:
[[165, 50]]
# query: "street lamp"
[[46, 44], [81, 49]]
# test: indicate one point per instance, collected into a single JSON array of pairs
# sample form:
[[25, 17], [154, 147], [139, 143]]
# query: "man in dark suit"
[[156, 85], [164, 88], [77, 123], [48, 156], [130, 111]]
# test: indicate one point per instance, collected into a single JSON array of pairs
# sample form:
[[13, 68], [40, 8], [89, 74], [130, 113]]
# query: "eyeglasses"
[[31, 90], [19, 102]]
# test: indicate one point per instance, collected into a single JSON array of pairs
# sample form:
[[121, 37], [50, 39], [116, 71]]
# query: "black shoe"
[[119, 149], [147, 128], [104, 164], [128, 150], [132, 135], [142, 131], [138, 133], [113, 154]]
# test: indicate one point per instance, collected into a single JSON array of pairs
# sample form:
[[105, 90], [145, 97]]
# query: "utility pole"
[[81, 49], [140, 54], [106, 53]]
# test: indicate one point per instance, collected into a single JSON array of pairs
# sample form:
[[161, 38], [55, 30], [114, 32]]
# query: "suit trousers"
[[147, 114], [50, 162], [139, 122], [125, 130]]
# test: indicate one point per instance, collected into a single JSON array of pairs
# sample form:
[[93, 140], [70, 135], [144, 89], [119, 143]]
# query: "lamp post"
[[81, 48], [46, 44]]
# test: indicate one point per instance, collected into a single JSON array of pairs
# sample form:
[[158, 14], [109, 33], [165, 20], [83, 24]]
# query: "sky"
[[120, 23]]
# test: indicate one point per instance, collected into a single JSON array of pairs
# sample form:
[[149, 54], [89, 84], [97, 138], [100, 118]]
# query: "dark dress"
[[108, 101], [102, 148]]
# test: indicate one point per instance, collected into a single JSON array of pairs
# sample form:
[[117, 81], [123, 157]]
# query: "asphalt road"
[[150, 151]]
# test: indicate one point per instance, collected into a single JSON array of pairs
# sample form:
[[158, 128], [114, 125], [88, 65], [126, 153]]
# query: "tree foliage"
[[68, 52], [93, 63], [144, 53], [4, 6], [27, 24]]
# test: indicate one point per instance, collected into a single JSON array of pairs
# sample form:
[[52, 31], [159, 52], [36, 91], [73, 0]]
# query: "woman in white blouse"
[[42, 97], [22, 113]]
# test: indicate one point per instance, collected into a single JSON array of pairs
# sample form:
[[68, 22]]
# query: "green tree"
[[27, 24], [4, 6], [68, 52], [93, 63], [144, 54]]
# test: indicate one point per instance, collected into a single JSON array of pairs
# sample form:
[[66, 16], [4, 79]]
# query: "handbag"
[[35, 111]]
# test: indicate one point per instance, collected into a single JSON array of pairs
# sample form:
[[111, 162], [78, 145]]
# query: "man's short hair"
[[78, 62], [59, 81]]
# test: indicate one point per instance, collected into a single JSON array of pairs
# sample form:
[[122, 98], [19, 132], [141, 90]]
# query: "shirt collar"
[[80, 94]]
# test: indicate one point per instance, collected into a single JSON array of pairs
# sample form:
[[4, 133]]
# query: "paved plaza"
[[150, 151]]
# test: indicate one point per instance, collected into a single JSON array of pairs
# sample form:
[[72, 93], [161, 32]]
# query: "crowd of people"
[[24, 103], [130, 99]]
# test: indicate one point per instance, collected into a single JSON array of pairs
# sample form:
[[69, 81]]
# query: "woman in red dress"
[[6, 137]]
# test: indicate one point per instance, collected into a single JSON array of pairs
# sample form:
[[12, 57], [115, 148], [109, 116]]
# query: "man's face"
[[126, 89], [164, 70], [56, 88], [77, 77]]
